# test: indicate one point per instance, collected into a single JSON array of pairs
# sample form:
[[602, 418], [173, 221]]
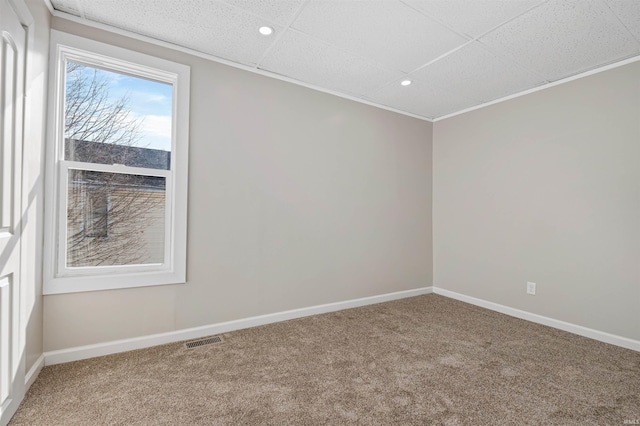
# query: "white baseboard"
[[33, 372], [539, 319], [100, 349]]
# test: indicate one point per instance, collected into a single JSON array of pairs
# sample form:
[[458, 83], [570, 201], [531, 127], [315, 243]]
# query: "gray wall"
[[296, 198], [33, 172], [545, 188]]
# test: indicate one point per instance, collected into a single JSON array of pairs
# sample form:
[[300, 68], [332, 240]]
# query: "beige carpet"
[[419, 361]]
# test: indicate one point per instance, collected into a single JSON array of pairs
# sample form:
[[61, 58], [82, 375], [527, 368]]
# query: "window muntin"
[[119, 157]]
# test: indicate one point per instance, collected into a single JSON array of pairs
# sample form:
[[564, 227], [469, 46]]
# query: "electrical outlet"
[[531, 288]]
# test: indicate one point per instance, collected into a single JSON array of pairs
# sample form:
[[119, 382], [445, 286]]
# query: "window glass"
[[114, 118], [114, 219]]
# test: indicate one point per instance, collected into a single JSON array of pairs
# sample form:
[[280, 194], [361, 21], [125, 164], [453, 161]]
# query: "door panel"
[[8, 93], [5, 337], [12, 69]]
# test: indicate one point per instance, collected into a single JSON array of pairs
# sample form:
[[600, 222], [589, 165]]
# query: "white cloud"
[[153, 97], [158, 125]]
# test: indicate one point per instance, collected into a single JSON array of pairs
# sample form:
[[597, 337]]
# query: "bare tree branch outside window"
[[112, 218]]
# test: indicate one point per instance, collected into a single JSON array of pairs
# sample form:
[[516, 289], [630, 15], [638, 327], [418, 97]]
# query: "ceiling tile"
[[358, 47], [477, 74], [425, 99], [385, 31], [628, 11], [564, 37], [278, 11], [311, 61], [215, 28], [473, 17]]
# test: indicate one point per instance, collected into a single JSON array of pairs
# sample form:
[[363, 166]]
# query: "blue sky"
[[149, 101]]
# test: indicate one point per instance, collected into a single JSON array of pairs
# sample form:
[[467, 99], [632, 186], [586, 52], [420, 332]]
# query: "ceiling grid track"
[[608, 6], [279, 36]]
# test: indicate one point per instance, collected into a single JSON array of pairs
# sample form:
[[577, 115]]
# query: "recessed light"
[[405, 82], [266, 30]]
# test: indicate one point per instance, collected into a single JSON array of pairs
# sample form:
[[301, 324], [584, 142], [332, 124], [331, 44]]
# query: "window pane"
[[114, 118], [115, 219]]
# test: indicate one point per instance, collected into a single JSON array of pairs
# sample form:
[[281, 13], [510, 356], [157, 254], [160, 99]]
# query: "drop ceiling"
[[457, 53]]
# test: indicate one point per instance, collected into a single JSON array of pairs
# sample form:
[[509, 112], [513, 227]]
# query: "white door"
[[12, 64]]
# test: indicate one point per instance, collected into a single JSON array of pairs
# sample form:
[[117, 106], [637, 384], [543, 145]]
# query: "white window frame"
[[58, 278]]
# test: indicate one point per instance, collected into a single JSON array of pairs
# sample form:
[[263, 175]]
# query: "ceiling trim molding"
[[544, 86], [192, 52]]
